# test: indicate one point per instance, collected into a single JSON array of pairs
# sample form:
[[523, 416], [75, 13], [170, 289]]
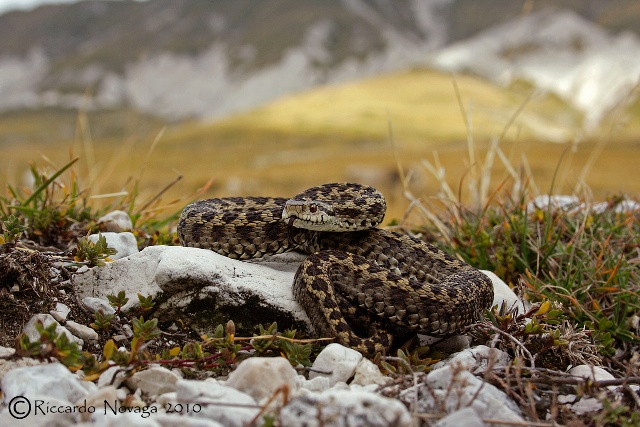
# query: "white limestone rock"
[[107, 377], [573, 205], [98, 304], [6, 351], [220, 403], [594, 373], [124, 243], [46, 319], [197, 279], [453, 388], [153, 381], [31, 412], [316, 384], [503, 293], [81, 331], [466, 417], [134, 274], [260, 377], [586, 405], [97, 399], [61, 312], [543, 202], [476, 359], [49, 380], [125, 419], [368, 373], [342, 408], [11, 364], [338, 361], [115, 221], [177, 420]]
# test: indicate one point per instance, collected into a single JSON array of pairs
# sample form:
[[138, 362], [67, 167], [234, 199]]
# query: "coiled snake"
[[360, 284]]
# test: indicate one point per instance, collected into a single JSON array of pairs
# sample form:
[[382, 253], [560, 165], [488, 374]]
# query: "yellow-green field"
[[334, 133]]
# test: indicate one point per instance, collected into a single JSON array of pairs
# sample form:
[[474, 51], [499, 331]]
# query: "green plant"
[[617, 414], [541, 336], [12, 228], [407, 363], [49, 208], [50, 345], [145, 330], [146, 303], [96, 254], [269, 340], [580, 258], [102, 321], [118, 301]]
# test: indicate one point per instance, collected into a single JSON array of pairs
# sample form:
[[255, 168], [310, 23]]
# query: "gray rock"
[[466, 417], [597, 373], [338, 408], [176, 420], [586, 405], [97, 304], [180, 278], [477, 359], [219, 403], [502, 293], [46, 319], [6, 351], [116, 221], [338, 360], [556, 202], [261, 377], [97, 399], [50, 380], [107, 377], [316, 384], [368, 373], [36, 411], [126, 419], [124, 243], [61, 312], [453, 388], [81, 331], [9, 365], [153, 381], [594, 373]]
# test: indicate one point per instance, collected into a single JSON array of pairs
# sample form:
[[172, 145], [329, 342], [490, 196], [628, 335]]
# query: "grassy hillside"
[[334, 133]]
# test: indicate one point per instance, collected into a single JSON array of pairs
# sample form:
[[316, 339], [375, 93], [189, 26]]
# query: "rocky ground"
[[473, 385]]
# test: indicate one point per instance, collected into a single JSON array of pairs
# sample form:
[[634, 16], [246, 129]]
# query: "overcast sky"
[[7, 5]]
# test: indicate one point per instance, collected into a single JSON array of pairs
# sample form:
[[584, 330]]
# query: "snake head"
[[310, 215]]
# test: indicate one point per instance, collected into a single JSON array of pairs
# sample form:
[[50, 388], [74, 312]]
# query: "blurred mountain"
[[558, 52], [206, 58]]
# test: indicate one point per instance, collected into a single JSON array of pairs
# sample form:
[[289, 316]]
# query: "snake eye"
[[313, 208]]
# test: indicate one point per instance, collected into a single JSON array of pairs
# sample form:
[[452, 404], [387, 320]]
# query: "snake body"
[[360, 284]]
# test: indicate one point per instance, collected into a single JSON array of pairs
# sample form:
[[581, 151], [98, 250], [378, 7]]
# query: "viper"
[[360, 284]]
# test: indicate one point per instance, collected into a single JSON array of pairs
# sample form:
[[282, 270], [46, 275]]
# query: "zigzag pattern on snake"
[[362, 285]]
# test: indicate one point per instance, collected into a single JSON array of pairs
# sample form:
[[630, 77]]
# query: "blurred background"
[[242, 97]]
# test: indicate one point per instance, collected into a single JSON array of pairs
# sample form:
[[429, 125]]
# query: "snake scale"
[[360, 284]]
